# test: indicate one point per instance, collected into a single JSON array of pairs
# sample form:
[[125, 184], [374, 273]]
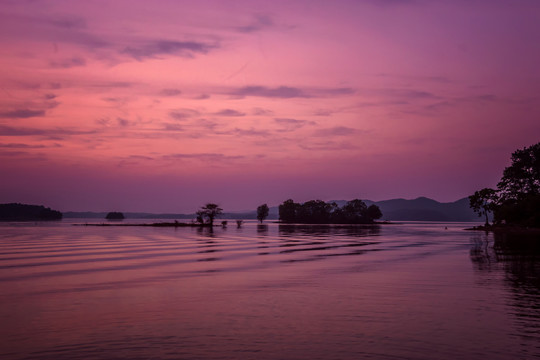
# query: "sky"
[[163, 106]]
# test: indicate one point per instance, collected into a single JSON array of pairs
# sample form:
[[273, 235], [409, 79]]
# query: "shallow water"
[[403, 291]]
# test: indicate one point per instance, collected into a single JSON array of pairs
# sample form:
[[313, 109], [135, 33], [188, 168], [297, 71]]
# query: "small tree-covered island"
[[320, 212], [115, 215], [515, 203]]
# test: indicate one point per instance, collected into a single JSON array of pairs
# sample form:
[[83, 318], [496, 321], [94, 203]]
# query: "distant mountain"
[[424, 209], [15, 211]]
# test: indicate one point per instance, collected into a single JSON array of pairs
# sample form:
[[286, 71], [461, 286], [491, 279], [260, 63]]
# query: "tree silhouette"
[[320, 212], [115, 215], [373, 212], [522, 177], [287, 211], [516, 200], [483, 202], [262, 212], [209, 211]]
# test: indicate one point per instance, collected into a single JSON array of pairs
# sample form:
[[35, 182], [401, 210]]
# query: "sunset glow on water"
[[411, 291]]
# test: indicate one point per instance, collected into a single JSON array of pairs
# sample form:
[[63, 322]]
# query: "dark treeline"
[[516, 200], [320, 212], [16, 211]]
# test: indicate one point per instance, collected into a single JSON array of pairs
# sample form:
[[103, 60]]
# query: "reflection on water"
[[517, 256], [267, 291], [328, 230]]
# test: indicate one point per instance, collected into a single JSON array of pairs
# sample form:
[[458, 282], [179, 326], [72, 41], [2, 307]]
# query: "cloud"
[[260, 22], [333, 92], [123, 122], [282, 92], [172, 127], [183, 114], [229, 112], [21, 114], [250, 132], [202, 97], [244, 132], [111, 84], [170, 92], [335, 131], [328, 146], [396, 93], [287, 92], [262, 112], [68, 63], [292, 124], [53, 133], [69, 23], [21, 146], [168, 47], [208, 157]]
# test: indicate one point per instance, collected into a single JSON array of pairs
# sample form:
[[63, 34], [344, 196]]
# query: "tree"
[[209, 211], [484, 202], [287, 211], [522, 177], [262, 212], [373, 212], [114, 215], [355, 212], [313, 212]]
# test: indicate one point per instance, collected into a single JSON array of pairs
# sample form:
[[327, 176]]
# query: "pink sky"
[[162, 106]]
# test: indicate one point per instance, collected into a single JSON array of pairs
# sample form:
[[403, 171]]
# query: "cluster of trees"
[[208, 213], [516, 200], [320, 212], [16, 211], [115, 215]]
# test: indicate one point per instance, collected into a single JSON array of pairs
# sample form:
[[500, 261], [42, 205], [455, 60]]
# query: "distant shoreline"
[[181, 224], [173, 224]]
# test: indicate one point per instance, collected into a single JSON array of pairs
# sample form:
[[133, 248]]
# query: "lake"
[[400, 291]]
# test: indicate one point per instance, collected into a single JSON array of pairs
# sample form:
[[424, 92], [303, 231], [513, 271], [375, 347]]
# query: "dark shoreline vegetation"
[[515, 203], [320, 212], [23, 212]]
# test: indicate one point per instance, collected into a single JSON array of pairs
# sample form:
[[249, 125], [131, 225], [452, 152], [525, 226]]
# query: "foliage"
[[373, 212], [16, 211], [114, 215], [483, 202], [516, 200], [208, 213], [522, 177], [320, 212], [262, 212]]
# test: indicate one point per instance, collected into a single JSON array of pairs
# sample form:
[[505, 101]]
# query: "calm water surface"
[[404, 291]]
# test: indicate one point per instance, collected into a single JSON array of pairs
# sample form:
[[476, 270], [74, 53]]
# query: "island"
[[114, 215], [24, 212]]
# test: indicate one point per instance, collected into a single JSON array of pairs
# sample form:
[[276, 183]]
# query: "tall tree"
[[522, 177], [209, 211], [483, 202], [262, 212]]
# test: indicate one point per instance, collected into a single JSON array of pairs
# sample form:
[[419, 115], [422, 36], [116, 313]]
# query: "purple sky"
[[163, 106]]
